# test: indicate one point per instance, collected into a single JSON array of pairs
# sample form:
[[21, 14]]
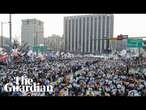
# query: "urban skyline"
[[128, 24]]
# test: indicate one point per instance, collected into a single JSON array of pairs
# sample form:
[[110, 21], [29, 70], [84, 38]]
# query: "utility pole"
[[10, 28], [1, 34]]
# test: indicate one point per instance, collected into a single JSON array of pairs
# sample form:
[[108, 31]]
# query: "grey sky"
[[130, 24]]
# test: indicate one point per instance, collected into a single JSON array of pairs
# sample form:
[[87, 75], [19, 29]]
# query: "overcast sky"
[[129, 24]]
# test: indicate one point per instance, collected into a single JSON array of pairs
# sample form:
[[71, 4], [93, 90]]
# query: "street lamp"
[[2, 23]]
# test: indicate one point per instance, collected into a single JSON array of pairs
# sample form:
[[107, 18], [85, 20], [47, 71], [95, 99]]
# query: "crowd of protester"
[[76, 76]]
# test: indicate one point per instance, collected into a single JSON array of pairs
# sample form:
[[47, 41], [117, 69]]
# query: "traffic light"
[[120, 37]]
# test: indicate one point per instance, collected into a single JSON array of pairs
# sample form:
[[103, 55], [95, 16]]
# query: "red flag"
[[3, 58]]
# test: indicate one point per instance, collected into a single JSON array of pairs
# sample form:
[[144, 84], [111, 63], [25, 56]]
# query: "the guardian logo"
[[23, 84]]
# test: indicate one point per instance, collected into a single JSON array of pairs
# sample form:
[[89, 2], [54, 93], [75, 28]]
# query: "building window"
[[27, 21]]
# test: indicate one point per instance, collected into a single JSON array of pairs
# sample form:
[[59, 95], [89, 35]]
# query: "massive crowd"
[[76, 76]]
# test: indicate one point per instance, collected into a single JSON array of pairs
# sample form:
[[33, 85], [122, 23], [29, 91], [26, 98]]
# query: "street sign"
[[134, 43], [39, 48]]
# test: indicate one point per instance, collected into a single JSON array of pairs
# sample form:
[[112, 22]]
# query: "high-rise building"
[[32, 32], [88, 33]]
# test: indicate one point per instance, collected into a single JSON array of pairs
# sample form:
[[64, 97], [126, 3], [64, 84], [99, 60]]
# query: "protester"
[[75, 75]]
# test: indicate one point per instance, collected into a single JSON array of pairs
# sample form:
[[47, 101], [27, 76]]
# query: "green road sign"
[[39, 48], [134, 43]]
